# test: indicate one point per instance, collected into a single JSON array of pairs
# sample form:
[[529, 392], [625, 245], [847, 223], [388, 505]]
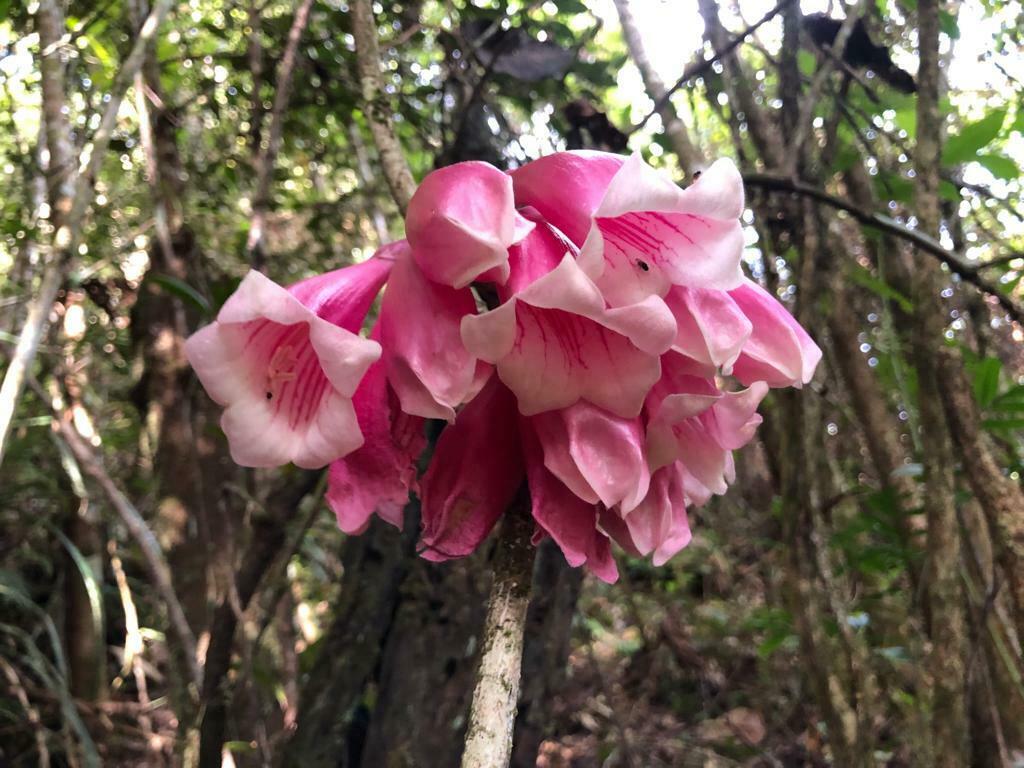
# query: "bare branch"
[[375, 107], [957, 263], [493, 712]]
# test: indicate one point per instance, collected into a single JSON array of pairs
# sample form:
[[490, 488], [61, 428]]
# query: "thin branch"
[[69, 235], [159, 570], [268, 150], [701, 65], [375, 107], [1000, 261], [958, 264], [810, 101]]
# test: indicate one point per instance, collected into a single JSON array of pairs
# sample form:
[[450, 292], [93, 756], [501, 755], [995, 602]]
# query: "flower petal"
[[378, 476], [712, 328], [344, 296], [554, 343], [690, 421], [567, 188], [461, 222], [570, 521], [649, 234], [427, 364], [474, 474], [659, 523], [598, 456], [779, 351]]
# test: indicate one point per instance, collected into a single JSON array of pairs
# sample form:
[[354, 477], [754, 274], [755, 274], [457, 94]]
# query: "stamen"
[[280, 369]]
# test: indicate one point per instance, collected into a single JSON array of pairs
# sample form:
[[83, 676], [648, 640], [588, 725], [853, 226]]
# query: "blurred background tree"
[[856, 600]]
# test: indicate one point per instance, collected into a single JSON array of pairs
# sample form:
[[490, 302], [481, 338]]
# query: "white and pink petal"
[[461, 221], [779, 351]]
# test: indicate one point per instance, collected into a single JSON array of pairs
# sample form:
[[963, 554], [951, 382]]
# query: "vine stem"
[[492, 715]]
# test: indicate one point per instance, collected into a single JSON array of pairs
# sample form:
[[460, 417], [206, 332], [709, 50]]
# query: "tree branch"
[[690, 156], [810, 101], [958, 264], [493, 712], [375, 107]]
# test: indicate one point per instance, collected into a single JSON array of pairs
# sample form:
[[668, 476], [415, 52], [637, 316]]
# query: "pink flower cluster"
[[597, 378]]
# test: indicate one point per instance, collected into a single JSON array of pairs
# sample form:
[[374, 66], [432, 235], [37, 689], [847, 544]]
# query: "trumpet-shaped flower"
[[474, 474], [596, 378], [555, 342], [779, 351], [597, 455], [692, 422], [286, 362], [638, 232], [558, 512]]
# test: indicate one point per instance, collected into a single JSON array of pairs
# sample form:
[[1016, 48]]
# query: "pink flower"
[[596, 381], [427, 365], [568, 519], [379, 475], [474, 474], [461, 222], [638, 232], [286, 362], [599, 456], [779, 351], [659, 525], [712, 329], [690, 421], [555, 342]]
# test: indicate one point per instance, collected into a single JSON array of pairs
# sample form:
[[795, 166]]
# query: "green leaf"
[[92, 588], [1010, 401], [183, 290], [56, 682], [571, 6], [964, 146], [1000, 166], [806, 62], [986, 380], [947, 23], [948, 191], [863, 277], [906, 119], [892, 186], [106, 59], [10, 590]]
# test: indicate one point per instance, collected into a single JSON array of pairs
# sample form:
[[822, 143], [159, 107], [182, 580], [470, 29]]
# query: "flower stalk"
[[492, 715]]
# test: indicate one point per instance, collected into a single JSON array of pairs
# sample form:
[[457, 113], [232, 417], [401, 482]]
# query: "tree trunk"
[[944, 594], [393, 678]]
